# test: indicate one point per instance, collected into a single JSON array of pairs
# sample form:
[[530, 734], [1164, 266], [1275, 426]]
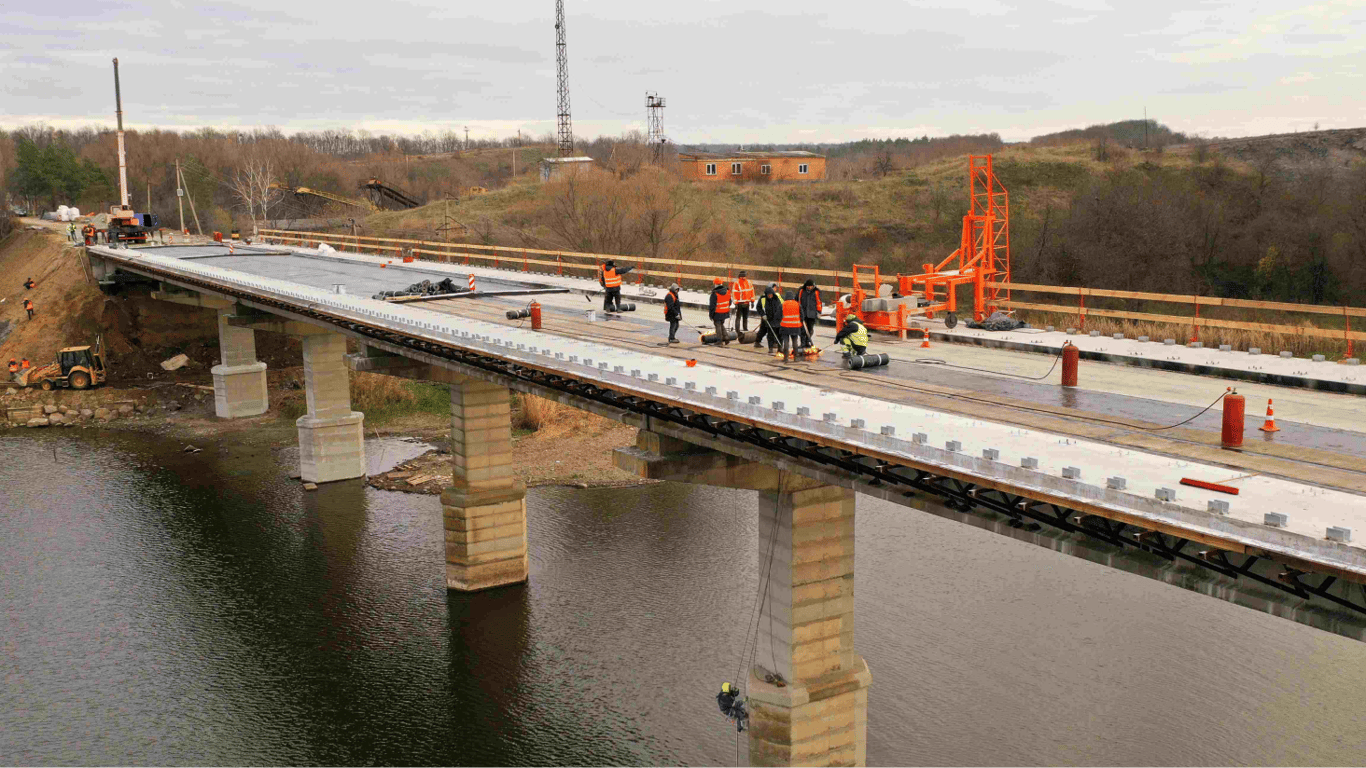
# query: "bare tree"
[[883, 165], [252, 185], [669, 217]]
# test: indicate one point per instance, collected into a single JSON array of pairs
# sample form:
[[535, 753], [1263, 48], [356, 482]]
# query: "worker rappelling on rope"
[[732, 704]]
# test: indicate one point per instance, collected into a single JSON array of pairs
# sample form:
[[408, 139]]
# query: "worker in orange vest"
[[28, 307], [790, 333], [742, 293], [718, 308], [13, 370], [23, 364], [610, 279], [28, 284]]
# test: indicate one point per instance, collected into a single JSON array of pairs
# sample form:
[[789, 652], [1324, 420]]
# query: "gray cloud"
[[739, 71]]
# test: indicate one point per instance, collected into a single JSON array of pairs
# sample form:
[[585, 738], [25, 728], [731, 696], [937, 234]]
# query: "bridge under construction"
[[1100, 474]]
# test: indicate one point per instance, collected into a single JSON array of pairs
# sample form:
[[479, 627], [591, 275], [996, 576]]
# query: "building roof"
[[746, 155], [567, 160]]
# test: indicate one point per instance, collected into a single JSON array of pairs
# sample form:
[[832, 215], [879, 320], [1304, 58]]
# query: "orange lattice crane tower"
[[983, 255]]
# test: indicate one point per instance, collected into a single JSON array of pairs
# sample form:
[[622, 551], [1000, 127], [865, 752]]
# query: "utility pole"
[[179, 195], [1145, 127], [467, 137], [562, 65], [192, 210]]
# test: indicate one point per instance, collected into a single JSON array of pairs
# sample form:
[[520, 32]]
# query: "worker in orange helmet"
[[28, 307], [742, 293]]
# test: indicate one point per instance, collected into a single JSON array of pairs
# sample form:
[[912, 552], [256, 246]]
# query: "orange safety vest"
[[743, 290], [792, 314], [13, 367], [610, 278], [722, 303], [25, 364]]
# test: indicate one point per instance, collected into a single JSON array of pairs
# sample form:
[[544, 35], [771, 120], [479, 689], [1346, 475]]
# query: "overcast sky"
[[730, 70]]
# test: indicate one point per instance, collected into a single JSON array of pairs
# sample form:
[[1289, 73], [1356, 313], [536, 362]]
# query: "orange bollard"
[[1070, 357], [535, 316], [1270, 425], [1234, 409]]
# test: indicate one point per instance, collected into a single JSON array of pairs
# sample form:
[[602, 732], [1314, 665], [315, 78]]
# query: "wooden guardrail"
[[838, 281], [1195, 321]]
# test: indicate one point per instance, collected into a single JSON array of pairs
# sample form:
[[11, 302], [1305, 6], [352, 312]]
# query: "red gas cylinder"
[[1070, 356], [1234, 405], [218, 237], [535, 316]]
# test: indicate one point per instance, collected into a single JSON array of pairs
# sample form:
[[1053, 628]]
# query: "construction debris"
[[425, 288], [998, 321], [175, 363]]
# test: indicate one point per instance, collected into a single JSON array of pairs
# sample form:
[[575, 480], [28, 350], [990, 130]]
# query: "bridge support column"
[[484, 510], [806, 632], [239, 381], [331, 435]]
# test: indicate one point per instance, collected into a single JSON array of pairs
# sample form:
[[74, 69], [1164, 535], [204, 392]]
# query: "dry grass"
[[534, 413], [382, 398]]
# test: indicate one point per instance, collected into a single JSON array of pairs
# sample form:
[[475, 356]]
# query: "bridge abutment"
[[331, 435], [484, 510], [239, 380], [819, 714]]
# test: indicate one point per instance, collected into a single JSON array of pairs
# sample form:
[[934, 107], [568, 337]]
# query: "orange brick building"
[[752, 166]]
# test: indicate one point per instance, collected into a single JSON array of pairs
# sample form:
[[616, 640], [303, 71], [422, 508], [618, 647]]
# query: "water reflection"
[[169, 608]]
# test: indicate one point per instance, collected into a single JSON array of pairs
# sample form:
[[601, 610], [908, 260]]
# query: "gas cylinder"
[[535, 316]]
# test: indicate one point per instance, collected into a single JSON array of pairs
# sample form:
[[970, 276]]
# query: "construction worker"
[[24, 365], [733, 706], [28, 307], [28, 284], [854, 336], [718, 308], [809, 296], [673, 312], [71, 231], [790, 328], [742, 293], [610, 279], [13, 370], [770, 309]]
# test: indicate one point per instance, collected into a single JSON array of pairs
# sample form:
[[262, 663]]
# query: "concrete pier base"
[[484, 510], [331, 435], [239, 381], [819, 716]]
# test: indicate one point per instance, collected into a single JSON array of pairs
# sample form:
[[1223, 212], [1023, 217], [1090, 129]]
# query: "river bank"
[[556, 446]]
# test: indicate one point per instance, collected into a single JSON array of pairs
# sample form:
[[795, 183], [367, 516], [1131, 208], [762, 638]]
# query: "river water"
[[158, 607]]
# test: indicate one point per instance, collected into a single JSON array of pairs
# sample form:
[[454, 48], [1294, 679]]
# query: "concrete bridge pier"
[[484, 510], [239, 381], [807, 688], [331, 435]]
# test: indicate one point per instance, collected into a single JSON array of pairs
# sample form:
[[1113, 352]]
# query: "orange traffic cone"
[[924, 338], [1270, 425]]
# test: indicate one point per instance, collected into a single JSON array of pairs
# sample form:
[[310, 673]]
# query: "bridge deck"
[[871, 426]]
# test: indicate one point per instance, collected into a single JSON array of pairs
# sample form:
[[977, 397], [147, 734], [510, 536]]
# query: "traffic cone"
[[924, 339], [1270, 425]]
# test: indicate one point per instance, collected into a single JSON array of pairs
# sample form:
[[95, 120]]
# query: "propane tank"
[[535, 311], [868, 361]]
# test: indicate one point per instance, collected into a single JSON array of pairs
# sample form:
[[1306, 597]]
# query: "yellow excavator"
[[75, 367], [305, 191]]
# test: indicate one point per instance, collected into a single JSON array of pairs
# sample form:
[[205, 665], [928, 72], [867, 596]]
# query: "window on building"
[[801, 168], [735, 169], [764, 169], [711, 169]]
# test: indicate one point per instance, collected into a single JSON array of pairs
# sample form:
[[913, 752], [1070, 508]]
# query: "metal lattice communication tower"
[[562, 64], [654, 120]]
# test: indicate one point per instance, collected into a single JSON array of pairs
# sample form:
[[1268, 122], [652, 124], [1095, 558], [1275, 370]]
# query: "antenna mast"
[[123, 158], [562, 64], [654, 120]]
